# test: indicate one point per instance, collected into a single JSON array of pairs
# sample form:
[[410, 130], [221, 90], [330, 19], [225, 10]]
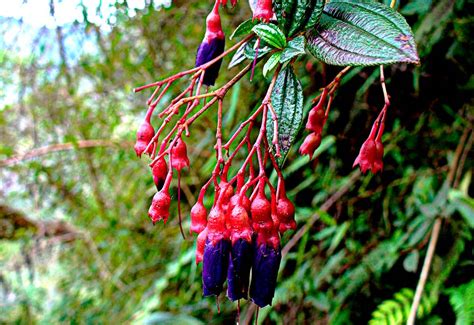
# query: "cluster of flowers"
[[239, 238]]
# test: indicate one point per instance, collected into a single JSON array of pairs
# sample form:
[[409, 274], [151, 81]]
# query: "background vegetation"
[[76, 245]]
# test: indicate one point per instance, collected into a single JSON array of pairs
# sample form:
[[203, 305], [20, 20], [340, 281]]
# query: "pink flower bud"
[[367, 155], [198, 217], [179, 155], [310, 144], [263, 10], [159, 171], [144, 135], [160, 206]]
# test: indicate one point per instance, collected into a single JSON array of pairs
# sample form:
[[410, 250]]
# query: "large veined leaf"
[[297, 15], [287, 101], [361, 33]]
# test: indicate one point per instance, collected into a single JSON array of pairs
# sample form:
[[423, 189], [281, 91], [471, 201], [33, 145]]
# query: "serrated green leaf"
[[238, 56], [271, 63], [294, 48], [298, 18], [244, 28], [315, 14], [271, 34], [250, 49], [362, 33], [287, 101]]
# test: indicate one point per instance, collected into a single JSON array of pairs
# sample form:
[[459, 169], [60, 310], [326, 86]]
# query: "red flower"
[[159, 171], [179, 155], [160, 206], [263, 10], [198, 217], [310, 144], [371, 153], [144, 135]]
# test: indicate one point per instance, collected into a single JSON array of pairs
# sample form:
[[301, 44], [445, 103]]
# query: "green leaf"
[[362, 33], [271, 34], [271, 63], [250, 49], [315, 14], [410, 263], [244, 28], [297, 15], [294, 48], [239, 56], [287, 101]]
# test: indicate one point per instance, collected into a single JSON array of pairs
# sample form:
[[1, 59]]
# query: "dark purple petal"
[[238, 274], [206, 52], [214, 270], [266, 262]]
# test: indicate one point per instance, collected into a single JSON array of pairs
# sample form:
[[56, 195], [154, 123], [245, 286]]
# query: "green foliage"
[[362, 33], [357, 248], [287, 102]]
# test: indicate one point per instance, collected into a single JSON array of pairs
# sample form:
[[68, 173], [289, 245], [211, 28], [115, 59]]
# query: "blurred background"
[[76, 245]]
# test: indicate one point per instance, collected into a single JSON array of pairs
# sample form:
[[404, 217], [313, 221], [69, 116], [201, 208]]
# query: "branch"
[[62, 147]]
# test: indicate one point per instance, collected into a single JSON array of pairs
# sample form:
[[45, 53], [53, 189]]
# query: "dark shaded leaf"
[[362, 33], [287, 100], [294, 48], [271, 34], [244, 28]]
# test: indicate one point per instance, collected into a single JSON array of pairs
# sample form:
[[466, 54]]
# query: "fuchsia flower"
[[144, 135], [159, 171], [212, 46], [198, 217], [371, 152], [310, 144], [179, 155], [263, 10], [160, 206]]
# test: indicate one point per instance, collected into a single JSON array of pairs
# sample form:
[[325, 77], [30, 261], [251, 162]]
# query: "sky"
[[36, 12]]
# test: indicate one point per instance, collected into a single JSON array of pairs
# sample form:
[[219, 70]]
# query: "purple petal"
[[266, 262], [208, 51], [238, 274], [214, 270]]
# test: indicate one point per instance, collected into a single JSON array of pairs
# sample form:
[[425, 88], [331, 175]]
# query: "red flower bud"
[[286, 214], [260, 210], [198, 217], [200, 245], [238, 224], [216, 225], [144, 135], [160, 206], [310, 144], [159, 171], [316, 119], [367, 155], [179, 155], [263, 10], [378, 162], [212, 46]]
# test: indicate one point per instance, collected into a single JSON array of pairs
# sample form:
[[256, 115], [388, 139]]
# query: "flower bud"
[[211, 47], [200, 245], [144, 135], [285, 214], [159, 171], [179, 155], [260, 210], [367, 155], [198, 217], [310, 144], [378, 161], [316, 119], [263, 10], [160, 206]]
